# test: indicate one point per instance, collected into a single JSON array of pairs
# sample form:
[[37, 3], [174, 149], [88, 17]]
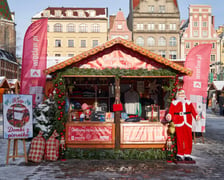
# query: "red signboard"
[[143, 133], [90, 133]]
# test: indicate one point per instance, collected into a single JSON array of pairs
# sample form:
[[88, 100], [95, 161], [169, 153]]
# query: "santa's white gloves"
[[168, 117], [198, 118]]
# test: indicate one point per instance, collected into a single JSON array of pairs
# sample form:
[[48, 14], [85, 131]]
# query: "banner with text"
[[34, 60], [195, 86]]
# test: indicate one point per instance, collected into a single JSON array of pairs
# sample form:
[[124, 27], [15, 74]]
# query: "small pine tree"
[[44, 117]]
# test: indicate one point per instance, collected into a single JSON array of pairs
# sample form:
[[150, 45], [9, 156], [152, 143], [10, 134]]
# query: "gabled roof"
[[217, 85], [3, 82], [13, 83], [127, 44]]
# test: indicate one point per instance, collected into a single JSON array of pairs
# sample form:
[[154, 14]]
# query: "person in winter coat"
[[181, 112], [214, 102]]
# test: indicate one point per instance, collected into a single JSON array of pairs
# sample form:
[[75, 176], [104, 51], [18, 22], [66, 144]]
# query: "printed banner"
[[17, 116], [196, 86], [88, 133], [34, 60]]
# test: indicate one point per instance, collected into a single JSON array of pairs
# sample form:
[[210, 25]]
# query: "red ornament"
[[56, 85], [61, 112], [61, 115], [59, 107], [59, 102], [61, 83], [59, 95], [59, 118]]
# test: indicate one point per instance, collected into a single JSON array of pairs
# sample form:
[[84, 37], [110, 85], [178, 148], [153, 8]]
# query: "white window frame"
[[151, 26], [151, 41], [140, 41], [162, 27], [140, 27]]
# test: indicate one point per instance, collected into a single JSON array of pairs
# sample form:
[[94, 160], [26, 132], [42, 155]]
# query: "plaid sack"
[[52, 147], [37, 147]]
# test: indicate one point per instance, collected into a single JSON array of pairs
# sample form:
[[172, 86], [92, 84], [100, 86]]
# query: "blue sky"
[[25, 9]]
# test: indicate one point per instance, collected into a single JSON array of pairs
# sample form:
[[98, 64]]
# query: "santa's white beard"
[[182, 99]]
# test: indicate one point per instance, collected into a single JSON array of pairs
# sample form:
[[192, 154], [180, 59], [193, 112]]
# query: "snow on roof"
[[218, 85]]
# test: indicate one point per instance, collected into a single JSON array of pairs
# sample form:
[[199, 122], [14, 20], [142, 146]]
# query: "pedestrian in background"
[[221, 104], [214, 103]]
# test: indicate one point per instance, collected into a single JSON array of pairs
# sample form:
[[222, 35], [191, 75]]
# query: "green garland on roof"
[[118, 72]]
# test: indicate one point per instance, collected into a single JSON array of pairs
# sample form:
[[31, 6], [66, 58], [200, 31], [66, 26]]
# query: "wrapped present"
[[109, 117], [152, 113]]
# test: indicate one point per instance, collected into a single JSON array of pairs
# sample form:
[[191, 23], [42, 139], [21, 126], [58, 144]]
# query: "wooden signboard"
[[143, 135], [90, 135]]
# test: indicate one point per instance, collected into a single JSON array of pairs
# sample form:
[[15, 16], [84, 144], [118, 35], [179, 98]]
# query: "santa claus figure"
[[181, 112]]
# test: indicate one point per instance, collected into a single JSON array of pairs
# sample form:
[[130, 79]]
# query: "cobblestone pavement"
[[209, 158]]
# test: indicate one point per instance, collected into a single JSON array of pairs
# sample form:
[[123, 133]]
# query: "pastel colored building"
[[200, 29], [118, 27]]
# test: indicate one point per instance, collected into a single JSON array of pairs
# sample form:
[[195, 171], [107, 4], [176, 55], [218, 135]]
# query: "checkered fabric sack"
[[37, 148], [52, 147]]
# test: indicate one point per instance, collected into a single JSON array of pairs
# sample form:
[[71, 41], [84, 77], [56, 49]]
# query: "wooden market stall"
[[4, 88], [99, 78], [14, 85]]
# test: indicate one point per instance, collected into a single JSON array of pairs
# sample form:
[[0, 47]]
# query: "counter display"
[[143, 135]]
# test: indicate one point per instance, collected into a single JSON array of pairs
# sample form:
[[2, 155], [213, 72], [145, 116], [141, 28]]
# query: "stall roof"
[[13, 83], [217, 85], [4, 82], [126, 44]]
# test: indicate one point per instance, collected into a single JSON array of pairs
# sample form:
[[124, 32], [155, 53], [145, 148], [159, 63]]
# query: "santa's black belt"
[[182, 113]]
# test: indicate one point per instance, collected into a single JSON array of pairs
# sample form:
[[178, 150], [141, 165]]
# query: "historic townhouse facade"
[[118, 27], [155, 26], [200, 29], [72, 31]]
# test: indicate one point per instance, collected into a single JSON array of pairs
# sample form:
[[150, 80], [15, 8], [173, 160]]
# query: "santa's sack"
[[52, 147], [37, 147]]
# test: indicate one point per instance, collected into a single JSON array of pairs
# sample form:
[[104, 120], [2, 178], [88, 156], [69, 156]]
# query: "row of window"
[[159, 9], [71, 28], [152, 42], [172, 54], [71, 43], [204, 24], [188, 46], [152, 26]]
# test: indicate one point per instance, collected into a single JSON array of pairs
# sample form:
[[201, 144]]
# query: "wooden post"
[[117, 115], [15, 150]]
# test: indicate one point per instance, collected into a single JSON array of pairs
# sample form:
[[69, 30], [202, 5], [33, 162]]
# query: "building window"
[[70, 43], [205, 33], [140, 41], [173, 55], [204, 24], [161, 9], [162, 53], [151, 9], [57, 55], [119, 26], [162, 27], [213, 45], [57, 43], [187, 45], [82, 28], [173, 41], [151, 41], [173, 27], [70, 28], [195, 24], [95, 28], [151, 27], [95, 43], [57, 13], [58, 27], [195, 44], [140, 26], [212, 57], [69, 13], [162, 41], [195, 33], [83, 43], [70, 55]]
